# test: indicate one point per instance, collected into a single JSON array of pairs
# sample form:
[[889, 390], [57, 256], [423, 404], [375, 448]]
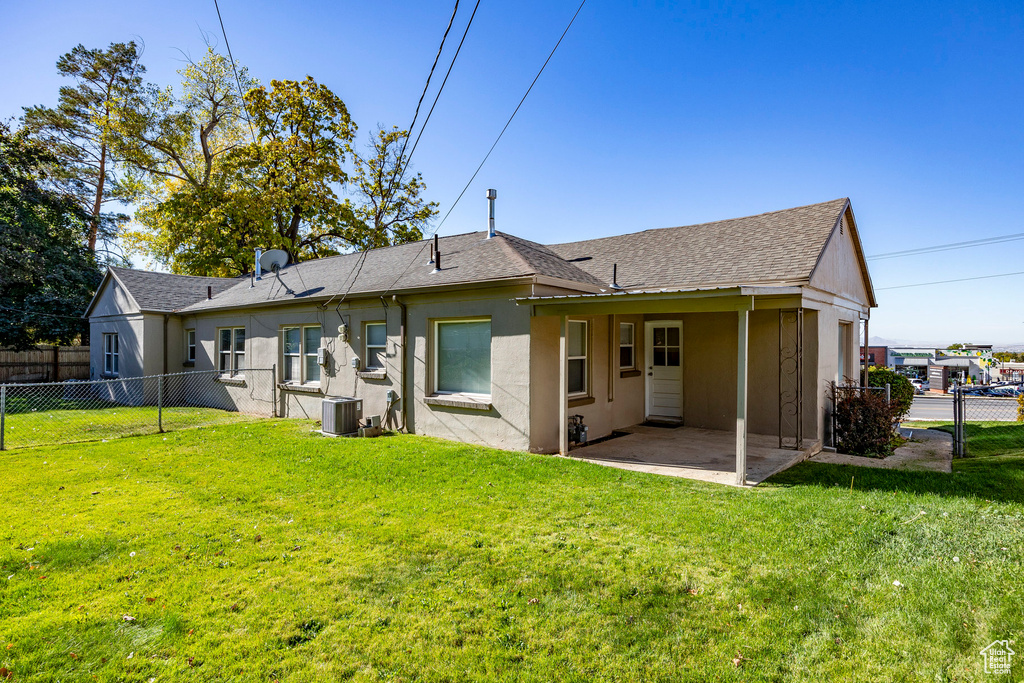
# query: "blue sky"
[[654, 114]]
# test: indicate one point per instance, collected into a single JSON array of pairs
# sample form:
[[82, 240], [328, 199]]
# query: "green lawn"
[[983, 438], [45, 427], [265, 552]]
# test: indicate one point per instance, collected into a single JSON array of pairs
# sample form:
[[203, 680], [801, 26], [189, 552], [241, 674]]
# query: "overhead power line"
[[949, 247], [238, 82], [357, 267], [946, 282], [486, 156]]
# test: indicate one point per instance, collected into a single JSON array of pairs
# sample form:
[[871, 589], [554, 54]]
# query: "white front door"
[[664, 366]]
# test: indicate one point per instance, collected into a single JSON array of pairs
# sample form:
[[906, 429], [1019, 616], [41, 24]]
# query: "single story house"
[[737, 325]]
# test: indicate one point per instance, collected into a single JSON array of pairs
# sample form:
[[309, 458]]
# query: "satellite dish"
[[273, 259]]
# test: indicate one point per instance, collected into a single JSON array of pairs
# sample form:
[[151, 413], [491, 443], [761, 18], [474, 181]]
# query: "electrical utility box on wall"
[[341, 415]]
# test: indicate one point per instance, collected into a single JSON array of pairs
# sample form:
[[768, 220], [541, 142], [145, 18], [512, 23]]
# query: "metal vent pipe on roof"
[[437, 262], [491, 196], [259, 266]]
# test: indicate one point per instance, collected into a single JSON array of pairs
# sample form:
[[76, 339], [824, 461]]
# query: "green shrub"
[[864, 422], [901, 391]]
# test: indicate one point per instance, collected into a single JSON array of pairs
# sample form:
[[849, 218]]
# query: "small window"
[[578, 358], [376, 345], [311, 346], [110, 354], [627, 357], [190, 346], [462, 357], [231, 350], [300, 348]]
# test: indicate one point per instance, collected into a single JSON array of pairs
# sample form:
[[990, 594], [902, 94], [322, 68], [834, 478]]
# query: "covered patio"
[[692, 453], [737, 382]]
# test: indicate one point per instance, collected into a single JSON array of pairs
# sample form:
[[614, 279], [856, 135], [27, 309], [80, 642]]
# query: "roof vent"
[[615, 276], [491, 196], [437, 262], [433, 250]]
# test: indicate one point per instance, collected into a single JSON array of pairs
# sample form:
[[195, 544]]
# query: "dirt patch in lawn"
[[925, 450]]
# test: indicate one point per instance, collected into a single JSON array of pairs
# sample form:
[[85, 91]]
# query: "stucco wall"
[[130, 330], [505, 425], [839, 270]]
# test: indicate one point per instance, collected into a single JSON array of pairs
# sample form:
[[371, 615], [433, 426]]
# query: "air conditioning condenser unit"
[[341, 415]]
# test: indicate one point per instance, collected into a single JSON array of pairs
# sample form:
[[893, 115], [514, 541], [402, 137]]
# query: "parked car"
[[920, 386]]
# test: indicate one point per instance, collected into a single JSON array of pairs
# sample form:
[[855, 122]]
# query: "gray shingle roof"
[[166, 292], [465, 258], [776, 247]]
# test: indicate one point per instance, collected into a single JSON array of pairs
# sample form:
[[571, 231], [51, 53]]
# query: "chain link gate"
[[984, 424]]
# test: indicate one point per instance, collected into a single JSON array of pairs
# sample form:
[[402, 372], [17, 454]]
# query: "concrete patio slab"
[[702, 454]]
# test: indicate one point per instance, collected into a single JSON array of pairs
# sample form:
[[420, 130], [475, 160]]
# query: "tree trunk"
[[97, 205]]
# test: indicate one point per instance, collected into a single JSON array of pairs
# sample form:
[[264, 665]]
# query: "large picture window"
[[231, 350], [462, 357], [110, 354], [376, 345], [300, 347], [578, 358]]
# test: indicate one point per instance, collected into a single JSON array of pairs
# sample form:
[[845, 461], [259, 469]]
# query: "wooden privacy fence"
[[44, 363]]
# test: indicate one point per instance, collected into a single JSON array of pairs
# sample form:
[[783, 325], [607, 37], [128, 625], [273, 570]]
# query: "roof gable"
[[841, 268], [158, 292]]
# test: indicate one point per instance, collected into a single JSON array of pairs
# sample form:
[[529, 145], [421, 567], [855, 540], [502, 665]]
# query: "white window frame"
[[111, 354], [631, 346], [190, 345], [435, 365], [367, 345], [585, 357], [301, 355], [232, 369]]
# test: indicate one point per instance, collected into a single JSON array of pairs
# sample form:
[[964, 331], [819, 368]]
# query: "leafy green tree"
[[216, 176], [47, 273], [78, 131], [390, 209]]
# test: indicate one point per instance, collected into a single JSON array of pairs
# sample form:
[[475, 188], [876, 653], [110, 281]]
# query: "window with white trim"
[[231, 350], [300, 346], [462, 357], [111, 354], [627, 353], [376, 336], [190, 346], [578, 357]]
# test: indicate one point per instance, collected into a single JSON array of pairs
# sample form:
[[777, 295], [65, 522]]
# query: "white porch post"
[[563, 386], [741, 399]]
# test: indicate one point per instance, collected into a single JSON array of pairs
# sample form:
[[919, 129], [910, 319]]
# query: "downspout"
[[402, 332], [166, 317]]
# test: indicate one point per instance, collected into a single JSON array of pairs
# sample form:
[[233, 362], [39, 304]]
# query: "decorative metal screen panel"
[[791, 370]]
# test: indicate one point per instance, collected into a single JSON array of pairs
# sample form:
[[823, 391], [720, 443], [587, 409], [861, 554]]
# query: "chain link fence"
[[988, 424], [68, 412]]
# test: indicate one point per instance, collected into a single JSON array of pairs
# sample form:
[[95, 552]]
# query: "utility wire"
[[486, 156], [441, 89], [944, 282], [48, 315], [357, 267], [948, 247], [238, 82]]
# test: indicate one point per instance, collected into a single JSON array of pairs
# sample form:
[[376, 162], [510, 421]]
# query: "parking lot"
[[978, 407]]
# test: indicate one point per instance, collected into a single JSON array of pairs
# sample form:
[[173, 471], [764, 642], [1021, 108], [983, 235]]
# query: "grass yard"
[[264, 552], [44, 427], [984, 439]]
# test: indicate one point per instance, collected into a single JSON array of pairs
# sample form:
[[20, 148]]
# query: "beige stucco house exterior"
[[735, 325]]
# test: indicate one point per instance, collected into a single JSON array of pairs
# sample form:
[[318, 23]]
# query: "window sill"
[[580, 401], [234, 380], [188, 364], [301, 388], [459, 401], [372, 374], [629, 373], [107, 375]]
